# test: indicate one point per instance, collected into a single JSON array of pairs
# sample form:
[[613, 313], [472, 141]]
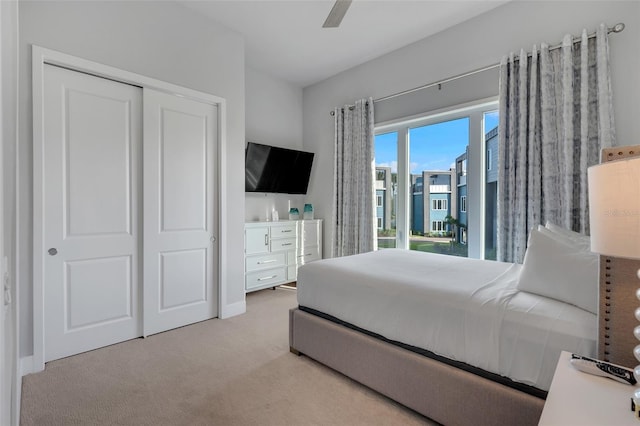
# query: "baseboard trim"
[[17, 399], [233, 309], [26, 365]]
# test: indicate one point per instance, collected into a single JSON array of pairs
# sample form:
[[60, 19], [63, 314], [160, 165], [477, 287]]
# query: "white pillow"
[[581, 241], [561, 238], [560, 271]]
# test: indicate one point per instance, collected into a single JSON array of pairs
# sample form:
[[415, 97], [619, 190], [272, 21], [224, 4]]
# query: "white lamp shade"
[[614, 208]]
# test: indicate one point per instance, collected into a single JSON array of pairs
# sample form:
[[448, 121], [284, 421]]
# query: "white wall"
[[157, 39], [470, 45], [8, 115], [273, 117]]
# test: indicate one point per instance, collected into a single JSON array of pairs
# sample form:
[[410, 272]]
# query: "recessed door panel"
[[98, 164], [183, 278], [98, 291], [92, 137], [184, 170]]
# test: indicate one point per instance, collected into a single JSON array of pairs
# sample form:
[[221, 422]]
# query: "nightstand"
[[577, 398]]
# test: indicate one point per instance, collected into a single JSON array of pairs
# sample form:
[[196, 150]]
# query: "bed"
[[461, 341]]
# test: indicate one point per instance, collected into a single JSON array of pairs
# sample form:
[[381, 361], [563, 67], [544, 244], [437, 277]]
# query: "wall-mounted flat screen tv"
[[275, 169]]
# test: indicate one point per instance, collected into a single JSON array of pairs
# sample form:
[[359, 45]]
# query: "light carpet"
[[236, 371]]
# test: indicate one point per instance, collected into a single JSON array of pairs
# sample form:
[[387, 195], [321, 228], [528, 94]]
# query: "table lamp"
[[614, 210]]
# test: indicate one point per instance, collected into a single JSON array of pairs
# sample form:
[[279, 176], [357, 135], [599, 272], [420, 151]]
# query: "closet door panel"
[[180, 268], [92, 131]]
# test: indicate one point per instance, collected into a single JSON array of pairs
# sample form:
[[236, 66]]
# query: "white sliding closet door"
[[180, 270], [92, 137]]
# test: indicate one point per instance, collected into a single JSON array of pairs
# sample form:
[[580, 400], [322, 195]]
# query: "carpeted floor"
[[237, 371]]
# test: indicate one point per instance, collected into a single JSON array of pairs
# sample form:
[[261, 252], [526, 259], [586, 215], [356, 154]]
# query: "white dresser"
[[273, 251]]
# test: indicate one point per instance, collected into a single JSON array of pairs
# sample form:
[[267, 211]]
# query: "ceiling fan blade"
[[338, 11]]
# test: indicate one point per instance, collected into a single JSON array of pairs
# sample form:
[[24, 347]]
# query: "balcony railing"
[[439, 189]]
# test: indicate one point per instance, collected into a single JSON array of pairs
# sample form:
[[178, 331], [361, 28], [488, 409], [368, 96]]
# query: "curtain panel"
[[556, 114], [353, 178]]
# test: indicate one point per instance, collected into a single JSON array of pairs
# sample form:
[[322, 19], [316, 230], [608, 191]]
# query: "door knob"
[[52, 251]]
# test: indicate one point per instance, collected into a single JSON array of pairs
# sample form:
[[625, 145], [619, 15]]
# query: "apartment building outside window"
[[440, 205]]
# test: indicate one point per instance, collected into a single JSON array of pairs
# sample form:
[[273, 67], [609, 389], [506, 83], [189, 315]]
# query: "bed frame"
[[436, 390], [450, 395]]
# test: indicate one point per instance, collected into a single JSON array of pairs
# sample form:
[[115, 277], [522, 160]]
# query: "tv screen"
[[274, 169]]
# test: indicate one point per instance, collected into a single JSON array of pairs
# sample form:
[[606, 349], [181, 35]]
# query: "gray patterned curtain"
[[353, 177], [555, 114]]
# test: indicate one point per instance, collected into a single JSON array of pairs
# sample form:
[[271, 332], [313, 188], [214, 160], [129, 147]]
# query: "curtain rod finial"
[[618, 27]]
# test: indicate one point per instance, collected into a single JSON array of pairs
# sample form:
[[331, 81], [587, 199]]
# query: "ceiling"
[[286, 38]]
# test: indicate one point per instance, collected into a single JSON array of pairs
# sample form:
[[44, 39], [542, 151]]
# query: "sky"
[[432, 147]]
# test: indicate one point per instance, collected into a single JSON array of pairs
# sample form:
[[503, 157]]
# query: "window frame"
[[475, 166], [439, 204]]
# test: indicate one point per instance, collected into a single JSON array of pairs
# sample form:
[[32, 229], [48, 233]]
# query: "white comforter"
[[464, 309]]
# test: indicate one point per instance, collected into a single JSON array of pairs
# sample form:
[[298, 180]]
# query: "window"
[[490, 121], [439, 205], [386, 184], [441, 172]]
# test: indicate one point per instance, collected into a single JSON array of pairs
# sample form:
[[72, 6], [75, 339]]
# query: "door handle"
[[52, 251]]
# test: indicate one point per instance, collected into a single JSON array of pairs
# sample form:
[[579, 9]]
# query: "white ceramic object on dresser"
[[275, 250]]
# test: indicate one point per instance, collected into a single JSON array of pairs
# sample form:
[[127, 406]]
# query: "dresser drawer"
[[271, 260], [266, 278], [287, 230], [308, 254], [283, 244]]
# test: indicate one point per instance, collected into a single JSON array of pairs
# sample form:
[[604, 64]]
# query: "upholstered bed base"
[[439, 391]]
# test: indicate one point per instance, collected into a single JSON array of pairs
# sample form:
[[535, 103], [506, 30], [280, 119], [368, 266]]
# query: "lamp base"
[[635, 399]]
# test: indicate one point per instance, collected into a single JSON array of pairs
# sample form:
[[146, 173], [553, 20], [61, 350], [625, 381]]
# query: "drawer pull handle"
[[266, 261], [286, 230], [267, 278], [266, 239], [286, 244]]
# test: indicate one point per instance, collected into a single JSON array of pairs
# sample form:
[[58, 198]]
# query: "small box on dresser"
[[275, 250]]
